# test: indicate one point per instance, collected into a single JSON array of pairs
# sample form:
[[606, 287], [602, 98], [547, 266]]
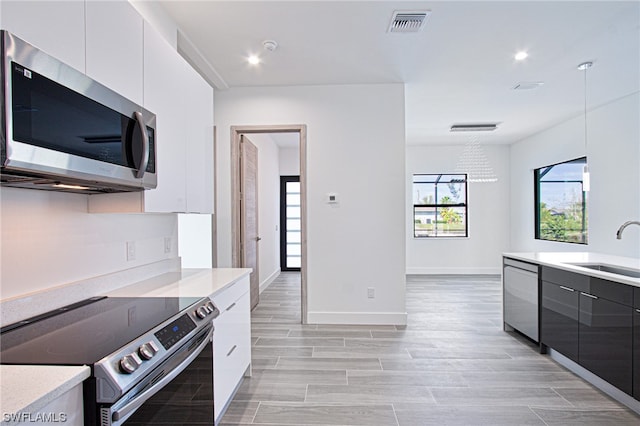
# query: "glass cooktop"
[[84, 333]]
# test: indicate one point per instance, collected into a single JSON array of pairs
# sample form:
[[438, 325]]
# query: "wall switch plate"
[[371, 293], [167, 245], [131, 250]]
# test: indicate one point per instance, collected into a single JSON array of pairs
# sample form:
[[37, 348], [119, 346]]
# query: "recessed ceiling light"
[[253, 60], [521, 56]]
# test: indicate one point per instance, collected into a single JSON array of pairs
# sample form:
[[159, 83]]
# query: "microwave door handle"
[[144, 161]]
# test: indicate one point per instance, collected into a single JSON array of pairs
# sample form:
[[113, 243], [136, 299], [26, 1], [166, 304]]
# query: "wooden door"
[[249, 236]]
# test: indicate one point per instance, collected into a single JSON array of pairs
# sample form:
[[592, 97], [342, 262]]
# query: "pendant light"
[[586, 182], [474, 163]]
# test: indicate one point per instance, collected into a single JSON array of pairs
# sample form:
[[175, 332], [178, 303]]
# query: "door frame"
[[236, 259]]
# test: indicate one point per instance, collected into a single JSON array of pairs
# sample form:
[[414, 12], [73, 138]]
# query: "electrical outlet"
[[167, 245], [371, 293], [131, 250]]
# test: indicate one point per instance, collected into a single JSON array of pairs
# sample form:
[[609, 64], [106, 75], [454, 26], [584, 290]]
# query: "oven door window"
[[178, 391]]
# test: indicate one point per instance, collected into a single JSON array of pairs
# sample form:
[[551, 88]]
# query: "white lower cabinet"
[[231, 343], [66, 409]]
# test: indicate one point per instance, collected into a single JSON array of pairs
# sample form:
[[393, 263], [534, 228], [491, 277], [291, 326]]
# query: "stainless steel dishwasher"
[[521, 297]]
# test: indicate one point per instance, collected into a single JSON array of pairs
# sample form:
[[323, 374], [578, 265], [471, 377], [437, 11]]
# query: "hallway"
[[451, 365]]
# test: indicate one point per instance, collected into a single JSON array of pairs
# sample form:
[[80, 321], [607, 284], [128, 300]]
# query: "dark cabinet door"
[[605, 343], [636, 353], [559, 328]]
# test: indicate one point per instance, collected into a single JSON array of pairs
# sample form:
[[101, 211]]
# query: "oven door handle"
[[126, 410]]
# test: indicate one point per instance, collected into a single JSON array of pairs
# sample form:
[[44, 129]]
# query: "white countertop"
[[186, 283], [29, 388], [565, 260]]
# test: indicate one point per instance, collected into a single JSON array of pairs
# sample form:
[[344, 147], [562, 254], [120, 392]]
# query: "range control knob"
[[129, 363], [147, 350], [210, 306], [202, 312]]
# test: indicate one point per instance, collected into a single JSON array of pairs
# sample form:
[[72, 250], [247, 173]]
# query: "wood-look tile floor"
[[451, 365]]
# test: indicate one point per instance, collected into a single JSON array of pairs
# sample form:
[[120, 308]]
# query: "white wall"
[[355, 147], [268, 208], [194, 240], [613, 155], [289, 161], [488, 215], [49, 239]]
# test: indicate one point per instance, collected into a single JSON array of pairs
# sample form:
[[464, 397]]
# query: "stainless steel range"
[[151, 358]]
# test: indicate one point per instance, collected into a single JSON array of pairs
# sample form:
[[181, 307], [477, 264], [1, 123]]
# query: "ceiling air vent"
[[478, 127], [408, 22]]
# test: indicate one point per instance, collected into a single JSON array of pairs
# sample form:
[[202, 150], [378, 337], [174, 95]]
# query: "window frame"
[[436, 205], [536, 203]]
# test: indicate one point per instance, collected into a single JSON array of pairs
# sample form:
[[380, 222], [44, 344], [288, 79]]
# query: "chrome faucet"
[[624, 225]]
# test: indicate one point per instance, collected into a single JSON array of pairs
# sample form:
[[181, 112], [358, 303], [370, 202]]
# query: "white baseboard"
[[419, 270], [364, 318], [266, 283]]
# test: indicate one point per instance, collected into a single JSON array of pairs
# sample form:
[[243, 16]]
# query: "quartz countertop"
[[185, 283], [29, 388], [566, 261]]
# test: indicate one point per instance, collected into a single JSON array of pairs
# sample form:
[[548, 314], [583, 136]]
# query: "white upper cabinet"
[[111, 43], [114, 47], [183, 104], [199, 156], [164, 95], [55, 27]]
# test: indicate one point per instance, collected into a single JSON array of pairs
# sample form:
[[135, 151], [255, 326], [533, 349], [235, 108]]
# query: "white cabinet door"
[[164, 95], [199, 149], [114, 47], [183, 104], [231, 343], [55, 27]]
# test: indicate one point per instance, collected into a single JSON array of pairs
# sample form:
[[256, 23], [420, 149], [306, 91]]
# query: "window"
[[560, 200], [439, 206], [290, 224]]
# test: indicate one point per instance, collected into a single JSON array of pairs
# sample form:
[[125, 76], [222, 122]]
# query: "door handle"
[[258, 238], [144, 160]]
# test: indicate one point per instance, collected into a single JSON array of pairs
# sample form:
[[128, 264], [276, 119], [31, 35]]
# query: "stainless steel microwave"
[[63, 131]]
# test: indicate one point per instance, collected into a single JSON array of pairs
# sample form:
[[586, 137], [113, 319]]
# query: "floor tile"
[[452, 364], [323, 414]]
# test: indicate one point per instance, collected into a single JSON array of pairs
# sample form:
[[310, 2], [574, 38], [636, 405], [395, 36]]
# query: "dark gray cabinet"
[[636, 344], [559, 314], [591, 321], [605, 341]]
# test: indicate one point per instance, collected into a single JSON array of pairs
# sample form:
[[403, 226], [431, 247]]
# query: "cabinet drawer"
[[610, 290], [232, 351], [570, 279], [224, 299]]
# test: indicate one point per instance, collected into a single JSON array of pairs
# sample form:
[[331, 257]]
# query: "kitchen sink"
[[634, 273]]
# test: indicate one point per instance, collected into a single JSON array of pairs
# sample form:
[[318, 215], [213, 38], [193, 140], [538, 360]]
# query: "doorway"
[[239, 217]]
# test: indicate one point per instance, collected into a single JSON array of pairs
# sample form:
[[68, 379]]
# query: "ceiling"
[[459, 69]]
